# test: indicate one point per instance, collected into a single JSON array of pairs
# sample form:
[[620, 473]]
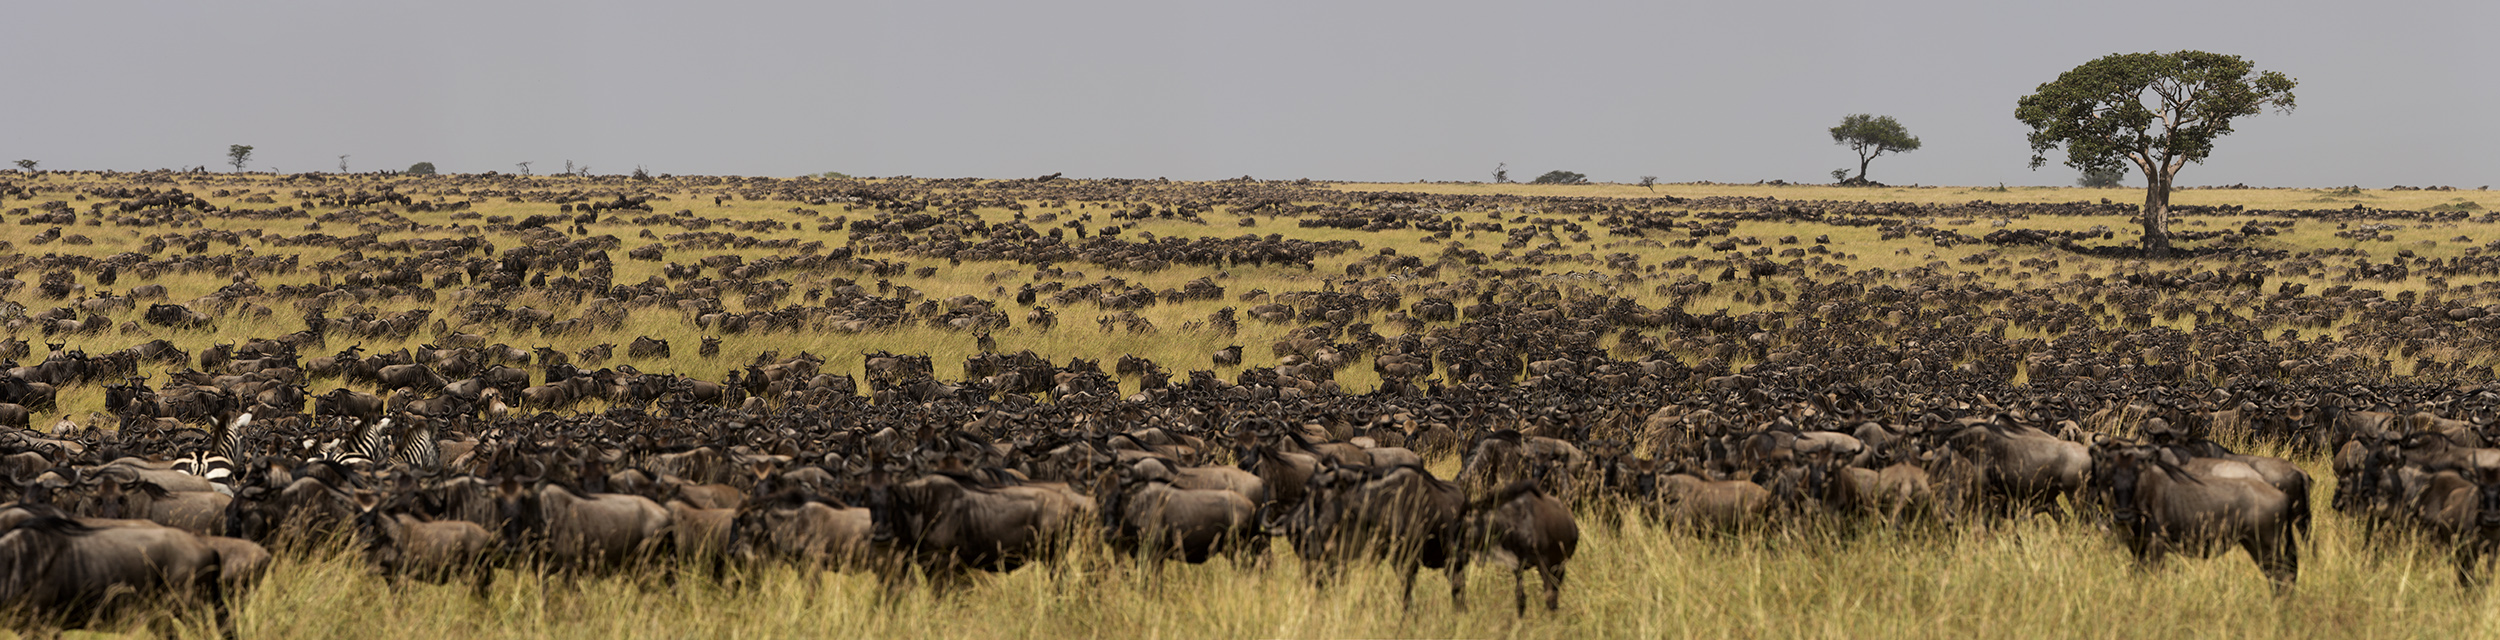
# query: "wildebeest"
[[2026, 468], [1402, 515], [2160, 506], [575, 531], [1144, 513], [1525, 529], [948, 523], [397, 544], [345, 402], [1690, 500], [798, 528], [65, 572]]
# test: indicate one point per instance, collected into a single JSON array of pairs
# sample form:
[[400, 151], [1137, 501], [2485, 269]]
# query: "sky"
[[2391, 93]]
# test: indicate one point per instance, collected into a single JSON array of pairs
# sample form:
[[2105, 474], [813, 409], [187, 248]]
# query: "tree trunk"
[[1862, 160], [2157, 213]]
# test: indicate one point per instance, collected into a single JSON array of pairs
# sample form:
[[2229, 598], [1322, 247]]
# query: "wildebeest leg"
[[2469, 559], [212, 585], [1553, 585], [2281, 563], [482, 585]]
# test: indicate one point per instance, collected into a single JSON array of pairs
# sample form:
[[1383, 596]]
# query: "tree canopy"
[[1559, 176], [2156, 111], [1872, 136], [421, 169]]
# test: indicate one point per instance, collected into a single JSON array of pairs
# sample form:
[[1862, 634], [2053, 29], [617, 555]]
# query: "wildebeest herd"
[[452, 408]]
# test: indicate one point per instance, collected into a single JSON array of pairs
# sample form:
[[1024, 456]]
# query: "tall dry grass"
[[2039, 577]]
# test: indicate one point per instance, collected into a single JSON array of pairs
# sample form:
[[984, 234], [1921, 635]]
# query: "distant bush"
[[421, 169], [1559, 176], [2102, 178]]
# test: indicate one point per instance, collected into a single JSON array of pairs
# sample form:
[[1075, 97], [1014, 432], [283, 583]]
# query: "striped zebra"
[[367, 446], [217, 462], [417, 448]]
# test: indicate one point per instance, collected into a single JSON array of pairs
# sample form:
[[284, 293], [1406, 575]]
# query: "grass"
[[2029, 578], [2040, 577]]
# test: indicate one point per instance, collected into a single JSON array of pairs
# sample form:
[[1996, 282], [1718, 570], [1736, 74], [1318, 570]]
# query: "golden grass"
[[2031, 578]]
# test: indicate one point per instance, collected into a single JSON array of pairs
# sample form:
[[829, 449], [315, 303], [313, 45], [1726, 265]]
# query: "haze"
[[2390, 93]]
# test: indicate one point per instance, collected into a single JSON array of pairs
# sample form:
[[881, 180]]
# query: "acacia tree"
[[1559, 176], [2158, 111], [1872, 136], [237, 154]]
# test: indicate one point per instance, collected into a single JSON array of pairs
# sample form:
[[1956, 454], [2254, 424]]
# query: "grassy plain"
[[2034, 578]]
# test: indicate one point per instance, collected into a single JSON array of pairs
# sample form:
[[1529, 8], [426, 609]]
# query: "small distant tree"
[[421, 169], [1650, 183], [568, 167], [525, 167], [1559, 176], [1872, 136], [2102, 178], [237, 154], [1501, 173], [640, 174], [2157, 111], [342, 163], [28, 165], [1840, 175]]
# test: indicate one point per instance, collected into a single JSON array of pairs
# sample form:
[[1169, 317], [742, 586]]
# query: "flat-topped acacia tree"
[[2158, 111]]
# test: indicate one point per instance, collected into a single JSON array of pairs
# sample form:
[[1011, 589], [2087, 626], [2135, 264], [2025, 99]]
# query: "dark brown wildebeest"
[[1226, 478], [701, 535], [66, 572], [577, 531], [397, 544], [795, 527], [276, 507], [1688, 500], [647, 347], [345, 402], [2200, 509], [1525, 529], [118, 491], [1402, 515], [949, 523], [2027, 469], [410, 376], [1144, 514]]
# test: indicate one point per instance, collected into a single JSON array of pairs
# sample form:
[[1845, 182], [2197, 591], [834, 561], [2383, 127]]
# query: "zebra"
[[216, 463]]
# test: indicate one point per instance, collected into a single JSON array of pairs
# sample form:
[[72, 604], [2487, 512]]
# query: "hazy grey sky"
[[2390, 92]]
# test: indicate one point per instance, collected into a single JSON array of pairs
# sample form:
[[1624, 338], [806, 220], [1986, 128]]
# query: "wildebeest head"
[[517, 505]]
